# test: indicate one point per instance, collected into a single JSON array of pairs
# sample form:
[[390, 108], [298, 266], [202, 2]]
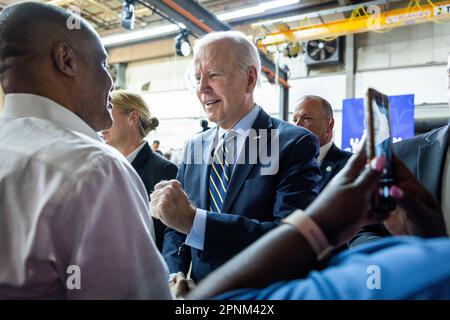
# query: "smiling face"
[[226, 93]]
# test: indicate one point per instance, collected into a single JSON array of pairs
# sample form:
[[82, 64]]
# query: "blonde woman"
[[132, 123]]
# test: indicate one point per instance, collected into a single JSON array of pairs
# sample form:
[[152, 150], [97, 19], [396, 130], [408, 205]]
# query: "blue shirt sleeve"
[[406, 268]]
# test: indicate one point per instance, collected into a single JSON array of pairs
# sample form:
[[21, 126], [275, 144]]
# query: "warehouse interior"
[[408, 56], [224, 149]]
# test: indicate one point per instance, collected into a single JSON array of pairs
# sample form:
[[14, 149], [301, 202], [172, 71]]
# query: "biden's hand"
[[170, 204]]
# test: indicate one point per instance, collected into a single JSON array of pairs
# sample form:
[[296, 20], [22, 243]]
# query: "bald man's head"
[[315, 114], [40, 53], [28, 30]]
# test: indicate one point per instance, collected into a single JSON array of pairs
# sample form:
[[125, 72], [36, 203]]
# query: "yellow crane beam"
[[376, 21]]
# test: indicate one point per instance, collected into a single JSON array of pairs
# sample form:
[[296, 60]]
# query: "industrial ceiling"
[[105, 14]]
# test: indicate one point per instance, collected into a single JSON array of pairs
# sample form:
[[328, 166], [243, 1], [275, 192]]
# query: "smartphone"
[[379, 143]]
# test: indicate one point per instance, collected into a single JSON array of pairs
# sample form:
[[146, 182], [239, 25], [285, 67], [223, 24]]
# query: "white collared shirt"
[[323, 151], [133, 154], [242, 129], [74, 219], [445, 193]]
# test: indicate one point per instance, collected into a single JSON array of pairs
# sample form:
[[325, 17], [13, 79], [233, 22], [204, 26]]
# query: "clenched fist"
[[170, 204]]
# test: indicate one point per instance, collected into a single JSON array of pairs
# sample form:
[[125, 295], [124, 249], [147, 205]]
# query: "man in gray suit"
[[428, 157]]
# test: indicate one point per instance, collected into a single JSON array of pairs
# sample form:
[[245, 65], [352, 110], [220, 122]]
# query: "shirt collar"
[[245, 123], [324, 150], [133, 154], [31, 105]]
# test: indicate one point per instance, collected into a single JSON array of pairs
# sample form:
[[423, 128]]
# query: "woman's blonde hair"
[[130, 101]]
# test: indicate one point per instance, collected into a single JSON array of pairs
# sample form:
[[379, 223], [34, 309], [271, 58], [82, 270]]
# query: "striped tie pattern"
[[220, 173]]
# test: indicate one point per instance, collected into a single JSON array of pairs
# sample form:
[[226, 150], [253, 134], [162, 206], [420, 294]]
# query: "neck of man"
[[325, 142], [24, 76], [327, 139], [248, 108]]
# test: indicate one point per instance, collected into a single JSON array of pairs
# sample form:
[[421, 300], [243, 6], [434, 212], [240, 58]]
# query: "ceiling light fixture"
[[258, 9], [127, 16], [139, 35], [182, 44]]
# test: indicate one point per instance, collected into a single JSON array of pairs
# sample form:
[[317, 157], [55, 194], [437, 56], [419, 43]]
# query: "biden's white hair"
[[247, 53]]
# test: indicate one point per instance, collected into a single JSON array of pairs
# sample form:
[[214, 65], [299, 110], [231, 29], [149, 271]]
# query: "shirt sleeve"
[[393, 268], [105, 230], [196, 238]]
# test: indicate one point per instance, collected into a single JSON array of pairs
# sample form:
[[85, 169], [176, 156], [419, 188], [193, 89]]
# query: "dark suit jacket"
[[153, 168], [254, 203], [424, 155], [333, 162]]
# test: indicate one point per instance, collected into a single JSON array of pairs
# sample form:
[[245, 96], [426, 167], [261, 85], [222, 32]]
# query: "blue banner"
[[402, 120]]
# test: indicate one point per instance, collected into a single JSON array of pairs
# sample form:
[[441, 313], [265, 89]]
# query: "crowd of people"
[[258, 208]]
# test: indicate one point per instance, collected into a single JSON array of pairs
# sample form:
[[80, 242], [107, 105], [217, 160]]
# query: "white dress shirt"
[[323, 151], [133, 154], [445, 193], [74, 219]]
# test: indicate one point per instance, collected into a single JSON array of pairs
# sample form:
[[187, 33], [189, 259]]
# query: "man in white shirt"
[[315, 114], [74, 219]]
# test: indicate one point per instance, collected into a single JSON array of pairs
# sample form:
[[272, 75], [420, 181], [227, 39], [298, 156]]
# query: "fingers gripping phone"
[[379, 143]]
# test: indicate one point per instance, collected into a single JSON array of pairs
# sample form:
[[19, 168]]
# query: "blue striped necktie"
[[220, 173]]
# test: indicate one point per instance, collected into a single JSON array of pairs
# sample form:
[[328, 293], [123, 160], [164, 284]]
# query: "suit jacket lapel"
[[430, 161], [327, 168], [141, 158], [243, 167]]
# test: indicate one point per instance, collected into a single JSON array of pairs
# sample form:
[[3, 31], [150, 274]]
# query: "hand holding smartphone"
[[379, 143]]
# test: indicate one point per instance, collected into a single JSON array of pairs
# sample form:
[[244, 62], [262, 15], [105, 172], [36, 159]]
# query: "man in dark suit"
[[218, 207], [132, 123], [315, 114], [427, 156]]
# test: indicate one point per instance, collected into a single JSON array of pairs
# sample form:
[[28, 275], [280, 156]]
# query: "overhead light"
[[139, 35], [182, 44], [127, 16], [258, 9]]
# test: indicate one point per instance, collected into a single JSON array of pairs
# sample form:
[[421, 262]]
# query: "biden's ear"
[[64, 59], [252, 78]]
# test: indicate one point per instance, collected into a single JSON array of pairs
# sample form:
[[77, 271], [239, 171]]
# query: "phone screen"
[[379, 143]]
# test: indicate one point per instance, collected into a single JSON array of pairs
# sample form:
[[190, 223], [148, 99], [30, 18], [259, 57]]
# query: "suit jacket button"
[[328, 169]]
